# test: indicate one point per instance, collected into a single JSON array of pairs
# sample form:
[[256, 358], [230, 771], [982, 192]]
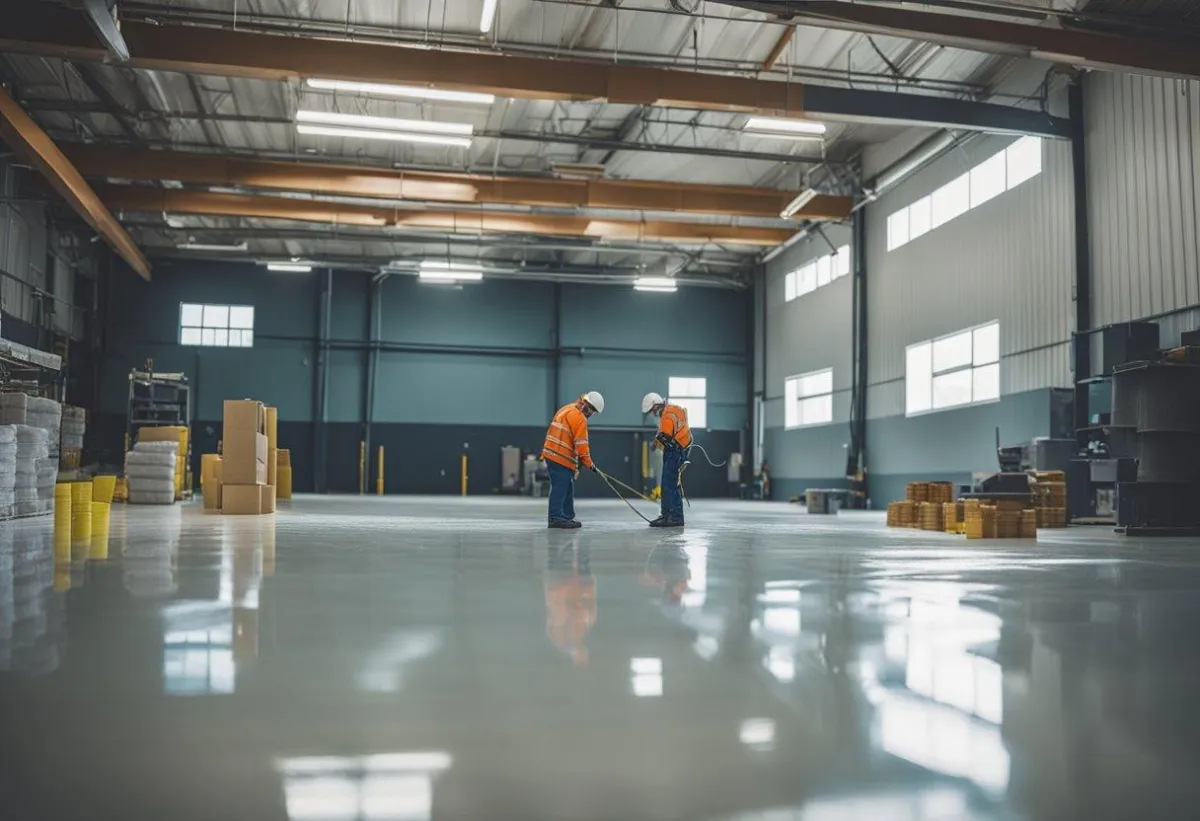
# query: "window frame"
[[799, 399], [970, 367], [806, 277], [1015, 163], [687, 399], [225, 331]]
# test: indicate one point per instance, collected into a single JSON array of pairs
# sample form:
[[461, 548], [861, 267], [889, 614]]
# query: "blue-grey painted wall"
[[443, 367]]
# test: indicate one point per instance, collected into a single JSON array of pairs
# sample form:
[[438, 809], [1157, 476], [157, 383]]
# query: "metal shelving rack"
[[156, 399]]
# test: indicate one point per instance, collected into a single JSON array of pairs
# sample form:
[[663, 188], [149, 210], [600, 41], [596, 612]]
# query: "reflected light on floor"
[[646, 677], [382, 787], [943, 739], [757, 733]]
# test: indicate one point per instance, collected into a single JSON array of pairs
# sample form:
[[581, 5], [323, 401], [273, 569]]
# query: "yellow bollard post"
[[379, 481], [464, 474], [362, 467]]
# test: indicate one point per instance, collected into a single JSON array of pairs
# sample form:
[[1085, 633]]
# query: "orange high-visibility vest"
[[567, 439], [674, 425]]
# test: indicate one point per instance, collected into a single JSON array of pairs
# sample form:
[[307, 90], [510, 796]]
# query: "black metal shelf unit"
[[157, 399]]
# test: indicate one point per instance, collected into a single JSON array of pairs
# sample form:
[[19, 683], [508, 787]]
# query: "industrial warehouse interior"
[[599, 409]]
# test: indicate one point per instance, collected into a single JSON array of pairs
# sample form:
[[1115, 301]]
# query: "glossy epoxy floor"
[[402, 658]]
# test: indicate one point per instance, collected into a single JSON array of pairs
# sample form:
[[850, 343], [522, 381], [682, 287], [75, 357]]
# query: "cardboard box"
[[266, 499], [244, 458], [212, 481], [245, 415], [241, 500], [273, 467], [162, 433]]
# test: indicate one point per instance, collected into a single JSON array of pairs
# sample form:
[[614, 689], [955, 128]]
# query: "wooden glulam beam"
[[55, 31], [358, 181], [143, 199], [25, 137], [988, 34]]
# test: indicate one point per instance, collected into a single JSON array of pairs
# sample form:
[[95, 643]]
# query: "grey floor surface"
[[413, 658]]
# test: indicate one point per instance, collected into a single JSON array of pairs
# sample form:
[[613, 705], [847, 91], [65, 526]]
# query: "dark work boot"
[[661, 521], [673, 523], [564, 524]]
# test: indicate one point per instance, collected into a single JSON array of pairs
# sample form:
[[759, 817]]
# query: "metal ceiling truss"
[[53, 31]]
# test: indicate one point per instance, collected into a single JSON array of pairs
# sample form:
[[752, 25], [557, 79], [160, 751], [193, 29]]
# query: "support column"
[[372, 350], [321, 384], [1083, 254], [856, 460], [556, 346]]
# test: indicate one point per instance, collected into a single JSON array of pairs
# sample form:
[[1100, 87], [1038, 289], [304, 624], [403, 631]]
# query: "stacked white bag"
[[32, 452], [74, 425], [8, 469], [150, 473], [13, 407], [47, 415]]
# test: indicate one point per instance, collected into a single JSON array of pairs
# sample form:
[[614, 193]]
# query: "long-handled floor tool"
[[608, 480]]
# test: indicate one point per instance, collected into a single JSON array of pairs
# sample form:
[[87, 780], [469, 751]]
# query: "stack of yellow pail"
[[103, 488], [62, 524], [81, 512], [284, 475], [98, 549]]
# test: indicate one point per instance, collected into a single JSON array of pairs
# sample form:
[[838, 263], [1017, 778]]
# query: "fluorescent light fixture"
[[289, 267], [488, 16], [662, 285], [419, 92], [394, 136], [450, 276], [440, 270], [780, 127], [802, 199], [383, 123], [200, 246]]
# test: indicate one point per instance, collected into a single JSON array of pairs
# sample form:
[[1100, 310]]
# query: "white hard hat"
[[650, 400], [594, 399]]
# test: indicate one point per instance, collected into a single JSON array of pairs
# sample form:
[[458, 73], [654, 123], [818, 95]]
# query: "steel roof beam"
[[25, 137], [143, 199], [993, 34], [354, 181], [51, 31]]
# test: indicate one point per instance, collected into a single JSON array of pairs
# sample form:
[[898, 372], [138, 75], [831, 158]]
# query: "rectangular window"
[[897, 228], [1001, 172], [988, 179], [216, 326], [920, 217], [809, 399], [789, 287], [690, 393], [951, 200], [824, 270], [958, 369], [808, 280], [1024, 160], [841, 262]]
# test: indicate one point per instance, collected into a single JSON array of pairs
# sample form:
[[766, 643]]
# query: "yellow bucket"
[[98, 548], [62, 545], [102, 489], [81, 494]]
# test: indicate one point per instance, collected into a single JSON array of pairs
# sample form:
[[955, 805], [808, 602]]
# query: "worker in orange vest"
[[565, 449], [674, 437]]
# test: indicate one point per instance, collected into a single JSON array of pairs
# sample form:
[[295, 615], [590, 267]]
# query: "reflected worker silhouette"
[[570, 591], [668, 572]]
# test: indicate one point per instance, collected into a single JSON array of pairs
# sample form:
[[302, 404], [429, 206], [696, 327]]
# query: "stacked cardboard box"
[[930, 516], [1050, 498], [952, 516], [902, 514], [979, 520], [243, 482]]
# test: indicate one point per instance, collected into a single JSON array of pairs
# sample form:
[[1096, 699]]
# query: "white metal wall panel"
[[813, 331], [1010, 259], [1143, 159]]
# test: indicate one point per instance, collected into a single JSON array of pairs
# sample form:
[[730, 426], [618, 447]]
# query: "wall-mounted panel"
[[1143, 161]]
